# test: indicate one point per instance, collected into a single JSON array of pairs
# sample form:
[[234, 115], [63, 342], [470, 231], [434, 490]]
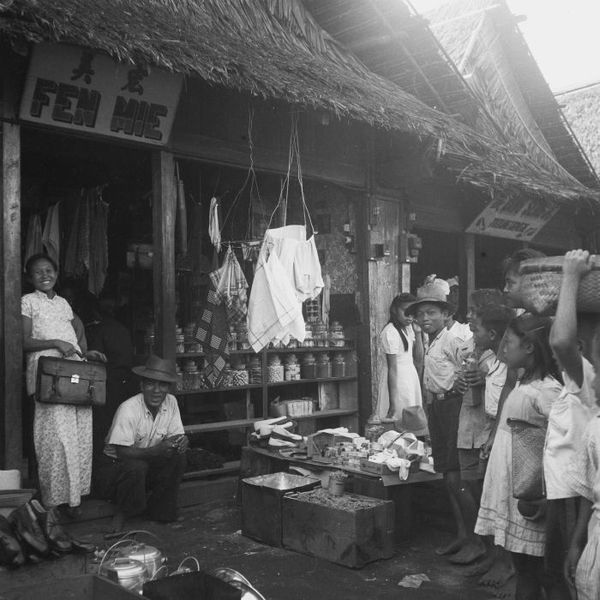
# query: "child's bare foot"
[[469, 553], [499, 574], [451, 548], [506, 591]]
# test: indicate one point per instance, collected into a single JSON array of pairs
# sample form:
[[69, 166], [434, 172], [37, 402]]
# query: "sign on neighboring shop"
[[85, 90], [513, 218]]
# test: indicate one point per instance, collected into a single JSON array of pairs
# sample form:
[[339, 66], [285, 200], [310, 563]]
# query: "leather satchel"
[[63, 381]]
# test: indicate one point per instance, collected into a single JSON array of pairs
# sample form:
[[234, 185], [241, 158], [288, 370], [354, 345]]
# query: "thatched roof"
[[275, 49], [483, 39], [581, 107]]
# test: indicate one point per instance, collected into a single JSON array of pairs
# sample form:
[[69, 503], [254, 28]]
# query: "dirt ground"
[[212, 534]]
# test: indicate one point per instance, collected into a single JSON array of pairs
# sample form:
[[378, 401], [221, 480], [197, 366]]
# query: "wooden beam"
[[466, 274], [164, 201], [11, 351]]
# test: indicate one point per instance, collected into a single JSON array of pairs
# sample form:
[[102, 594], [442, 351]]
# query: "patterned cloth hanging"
[[232, 290], [51, 234], [213, 333], [33, 240]]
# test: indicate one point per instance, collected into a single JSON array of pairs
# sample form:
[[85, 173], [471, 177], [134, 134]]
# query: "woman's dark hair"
[[35, 258], [495, 317], [536, 330], [512, 262], [398, 301]]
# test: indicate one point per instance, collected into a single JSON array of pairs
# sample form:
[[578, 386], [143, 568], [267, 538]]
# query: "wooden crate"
[[350, 530]]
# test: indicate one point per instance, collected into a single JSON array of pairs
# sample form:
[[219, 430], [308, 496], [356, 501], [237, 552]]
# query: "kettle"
[[129, 573], [151, 557]]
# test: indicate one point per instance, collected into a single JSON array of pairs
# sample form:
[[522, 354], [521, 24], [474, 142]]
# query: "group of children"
[[514, 429]]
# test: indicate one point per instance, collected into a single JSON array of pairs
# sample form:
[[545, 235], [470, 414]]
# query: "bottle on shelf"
[[308, 369], [323, 366], [309, 341], [179, 341]]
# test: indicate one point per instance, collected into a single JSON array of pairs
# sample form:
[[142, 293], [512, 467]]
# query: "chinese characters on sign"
[[515, 218], [77, 88]]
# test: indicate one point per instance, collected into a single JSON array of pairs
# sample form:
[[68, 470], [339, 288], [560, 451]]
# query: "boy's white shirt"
[[569, 416]]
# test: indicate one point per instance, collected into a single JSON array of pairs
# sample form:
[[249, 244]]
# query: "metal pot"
[[151, 557], [131, 574]]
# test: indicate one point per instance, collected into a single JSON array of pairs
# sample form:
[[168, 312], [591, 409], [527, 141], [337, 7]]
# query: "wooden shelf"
[[201, 354], [321, 380], [228, 467], [219, 425], [250, 386], [314, 349]]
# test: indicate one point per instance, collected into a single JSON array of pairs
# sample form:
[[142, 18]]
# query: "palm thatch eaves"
[[275, 49]]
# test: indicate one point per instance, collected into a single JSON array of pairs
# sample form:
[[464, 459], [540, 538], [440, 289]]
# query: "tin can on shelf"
[[338, 368], [323, 366], [308, 369]]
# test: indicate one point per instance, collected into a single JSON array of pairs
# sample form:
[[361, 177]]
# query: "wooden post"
[[11, 336], [466, 253], [164, 201]]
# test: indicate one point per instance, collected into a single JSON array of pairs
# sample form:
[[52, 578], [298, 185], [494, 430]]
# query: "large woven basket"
[[540, 285]]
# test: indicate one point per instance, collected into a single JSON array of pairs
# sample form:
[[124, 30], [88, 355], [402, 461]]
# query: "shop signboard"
[[514, 218], [87, 91]]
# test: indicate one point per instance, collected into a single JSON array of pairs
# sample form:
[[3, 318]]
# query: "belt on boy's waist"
[[444, 395]]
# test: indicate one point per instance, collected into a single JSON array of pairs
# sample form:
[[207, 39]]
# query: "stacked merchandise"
[[276, 433]]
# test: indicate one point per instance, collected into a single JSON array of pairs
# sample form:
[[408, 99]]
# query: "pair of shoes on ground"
[[38, 534]]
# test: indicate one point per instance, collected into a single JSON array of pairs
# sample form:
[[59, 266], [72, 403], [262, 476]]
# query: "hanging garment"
[[33, 241], [213, 333], [274, 312], [51, 234], [326, 299], [77, 256], [98, 239], [299, 259], [214, 228], [231, 289]]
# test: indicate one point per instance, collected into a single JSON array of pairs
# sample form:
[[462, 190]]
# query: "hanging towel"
[[98, 240], [51, 234], [326, 300], [274, 312], [214, 228], [307, 270], [213, 332], [33, 243]]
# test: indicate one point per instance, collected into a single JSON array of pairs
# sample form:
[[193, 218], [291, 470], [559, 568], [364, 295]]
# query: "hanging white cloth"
[[51, 233], [326, 299], [214, 230], [274, 312]]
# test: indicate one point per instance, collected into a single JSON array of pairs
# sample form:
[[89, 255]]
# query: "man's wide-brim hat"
[[158, 369], [414, 420], [432, 293]]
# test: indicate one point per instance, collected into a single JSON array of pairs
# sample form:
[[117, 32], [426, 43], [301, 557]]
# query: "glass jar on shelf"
[[323, 366], [226, 376], [275, 369], [291, 370], [351, 364], [336, 335], [179, 341], [239, 374], [179, 382], [308, 369], [320, 334], [338, 367], [309, 341], [255, 370], [190, 375]]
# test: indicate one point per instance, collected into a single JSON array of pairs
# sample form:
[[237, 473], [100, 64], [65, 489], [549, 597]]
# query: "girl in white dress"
[[399, 385]]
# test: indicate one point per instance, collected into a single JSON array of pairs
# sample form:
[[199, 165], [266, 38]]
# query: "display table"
[[260, 461]]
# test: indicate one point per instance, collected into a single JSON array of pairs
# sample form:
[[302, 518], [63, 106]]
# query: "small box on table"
[[350, 530]]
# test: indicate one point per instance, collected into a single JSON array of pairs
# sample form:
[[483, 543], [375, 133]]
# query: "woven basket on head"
[[540, 285]]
